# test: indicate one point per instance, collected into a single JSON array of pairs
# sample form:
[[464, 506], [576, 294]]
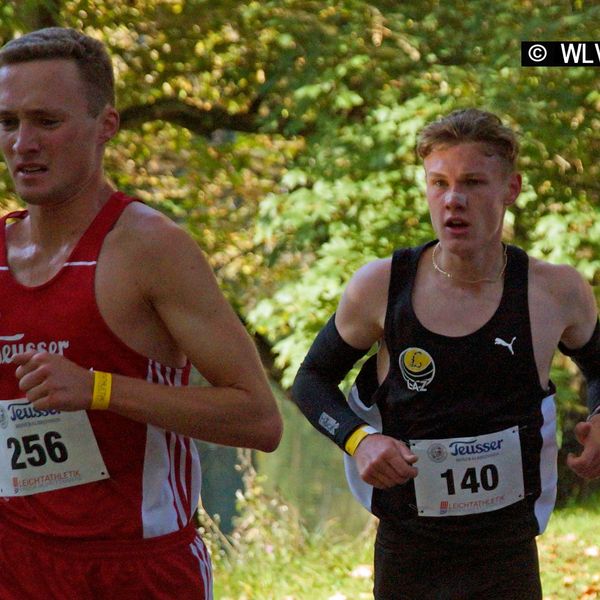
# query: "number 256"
[[37, 452]]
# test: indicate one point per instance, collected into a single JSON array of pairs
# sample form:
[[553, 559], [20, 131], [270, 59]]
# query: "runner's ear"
[[109, 124]]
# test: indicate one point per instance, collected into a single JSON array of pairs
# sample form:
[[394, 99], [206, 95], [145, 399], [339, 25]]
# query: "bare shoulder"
[[143, 226], [159, 255], [563, 282], [370, 281], [563, 288], [361, 313], [150, 241]]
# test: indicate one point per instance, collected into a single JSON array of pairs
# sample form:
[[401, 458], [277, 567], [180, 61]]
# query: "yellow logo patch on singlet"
[[417, 368]]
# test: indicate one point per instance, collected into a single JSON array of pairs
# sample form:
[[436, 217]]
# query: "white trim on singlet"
[[76, 263], [544, 504], [548, 464], [172, 475], [200, 551], [361, 490], [177, 456], [81, 263]]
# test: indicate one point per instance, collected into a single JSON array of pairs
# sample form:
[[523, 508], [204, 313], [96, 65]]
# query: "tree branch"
[[200, 121], [46, 14], [267, 359]]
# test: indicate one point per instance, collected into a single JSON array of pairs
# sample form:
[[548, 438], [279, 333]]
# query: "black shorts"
[[408, 567]]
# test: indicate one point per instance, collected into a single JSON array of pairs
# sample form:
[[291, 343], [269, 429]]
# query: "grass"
[[570, 553], [272, 556]]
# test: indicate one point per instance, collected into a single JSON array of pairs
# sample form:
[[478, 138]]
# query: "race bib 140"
[[468, 475]]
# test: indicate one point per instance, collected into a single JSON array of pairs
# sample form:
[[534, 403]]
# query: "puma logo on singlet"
[[501, 342]]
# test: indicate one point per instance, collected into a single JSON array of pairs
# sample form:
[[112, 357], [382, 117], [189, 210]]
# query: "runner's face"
[[468, 191], [51, 144]]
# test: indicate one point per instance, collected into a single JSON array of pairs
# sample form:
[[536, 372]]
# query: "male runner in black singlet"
[[467, 328]]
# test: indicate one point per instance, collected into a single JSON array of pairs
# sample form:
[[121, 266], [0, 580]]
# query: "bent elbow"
[[272, 433]]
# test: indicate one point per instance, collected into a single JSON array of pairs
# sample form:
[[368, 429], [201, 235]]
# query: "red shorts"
[[171, 566]]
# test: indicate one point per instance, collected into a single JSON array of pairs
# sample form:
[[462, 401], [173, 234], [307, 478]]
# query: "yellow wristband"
[[102, 389], [355, 439]]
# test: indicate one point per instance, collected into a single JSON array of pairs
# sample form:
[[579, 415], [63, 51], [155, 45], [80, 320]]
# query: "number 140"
[[487, 478]]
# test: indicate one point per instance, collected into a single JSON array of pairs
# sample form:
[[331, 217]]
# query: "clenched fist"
[[384, 461], [51, 381]]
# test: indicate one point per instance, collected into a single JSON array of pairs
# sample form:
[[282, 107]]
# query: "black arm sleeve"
[[316, 387], [587, 359]]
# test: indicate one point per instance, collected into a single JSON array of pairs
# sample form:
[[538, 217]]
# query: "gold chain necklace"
[[450, 276]]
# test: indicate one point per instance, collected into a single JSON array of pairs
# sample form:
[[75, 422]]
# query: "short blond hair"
[[90, 56], [470, 125]]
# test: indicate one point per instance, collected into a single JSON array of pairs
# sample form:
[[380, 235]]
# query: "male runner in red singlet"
[[451, 425], [104, 305]]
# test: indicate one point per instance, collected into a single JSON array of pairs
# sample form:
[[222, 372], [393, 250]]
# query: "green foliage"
[[281, 133], [213, 187], [265, 522], [286, 143], [271, 554], [355, 192]]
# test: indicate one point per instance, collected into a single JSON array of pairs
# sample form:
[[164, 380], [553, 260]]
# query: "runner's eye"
[[8, 124], [49, 123]]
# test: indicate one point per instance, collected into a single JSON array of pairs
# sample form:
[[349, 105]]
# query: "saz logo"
[[418, 368]]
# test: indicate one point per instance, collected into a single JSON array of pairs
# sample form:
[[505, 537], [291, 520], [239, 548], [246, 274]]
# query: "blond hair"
[[470, 125]]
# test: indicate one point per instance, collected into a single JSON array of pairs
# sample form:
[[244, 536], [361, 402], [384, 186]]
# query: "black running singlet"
[[467, 399]]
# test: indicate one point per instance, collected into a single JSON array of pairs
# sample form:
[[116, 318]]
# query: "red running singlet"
[[153, 483]]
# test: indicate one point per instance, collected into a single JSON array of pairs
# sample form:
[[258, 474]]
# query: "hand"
[[50, 381], [587, 464], [384, 461]]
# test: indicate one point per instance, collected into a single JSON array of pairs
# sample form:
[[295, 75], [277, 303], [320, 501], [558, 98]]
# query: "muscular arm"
[[239, 409], [343, 341], [582, 312], [178, 284], [381, 460], [581, 341], [315, 390]]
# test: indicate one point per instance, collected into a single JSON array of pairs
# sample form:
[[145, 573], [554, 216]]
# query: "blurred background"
[[281, 135]]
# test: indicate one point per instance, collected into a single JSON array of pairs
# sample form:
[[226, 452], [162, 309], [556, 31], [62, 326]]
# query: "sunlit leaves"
[[322, 175]]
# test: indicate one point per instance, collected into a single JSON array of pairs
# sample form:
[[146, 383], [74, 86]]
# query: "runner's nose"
[[453, 199]]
